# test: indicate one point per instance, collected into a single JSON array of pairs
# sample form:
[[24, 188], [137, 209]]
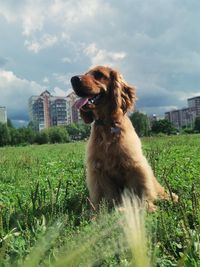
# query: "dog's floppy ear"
[[128, 96], [87, 116], [122, 95], [115, 94]]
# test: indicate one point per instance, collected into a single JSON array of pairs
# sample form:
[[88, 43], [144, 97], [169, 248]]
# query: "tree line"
[[144, 127], [10, 135]]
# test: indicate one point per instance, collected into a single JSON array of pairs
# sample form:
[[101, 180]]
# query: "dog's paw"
[[169, 196], [151, 207]]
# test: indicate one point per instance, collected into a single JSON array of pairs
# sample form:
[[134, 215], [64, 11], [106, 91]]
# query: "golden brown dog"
[[115, 161]]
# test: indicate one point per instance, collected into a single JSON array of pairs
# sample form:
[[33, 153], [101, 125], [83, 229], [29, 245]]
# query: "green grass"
[[47, 220]]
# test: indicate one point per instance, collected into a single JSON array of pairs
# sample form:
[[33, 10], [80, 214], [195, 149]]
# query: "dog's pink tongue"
[[81, 102]]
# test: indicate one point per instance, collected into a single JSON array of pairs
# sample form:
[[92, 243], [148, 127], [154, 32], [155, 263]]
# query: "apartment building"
[[185, 117], [194, 105], [73, 114], [58, 111], [46, 110], [3, 114]]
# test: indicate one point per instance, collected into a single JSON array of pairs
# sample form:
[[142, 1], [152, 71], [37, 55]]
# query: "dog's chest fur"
[[105, 153]]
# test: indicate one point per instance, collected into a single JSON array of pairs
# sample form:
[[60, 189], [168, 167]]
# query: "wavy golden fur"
[[115, 161]]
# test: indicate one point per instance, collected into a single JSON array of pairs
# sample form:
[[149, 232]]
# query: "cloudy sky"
[[154, 43]]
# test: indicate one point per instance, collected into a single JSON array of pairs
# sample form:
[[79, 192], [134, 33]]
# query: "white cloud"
[[57, 91], [30, 14], [73, 12], [183, 96], [62, 78], [33, 18], [66, 60], [33, 15], [102, 56], [7, 12], [45, 80], [15, 93], [160, 110], [47, 40]]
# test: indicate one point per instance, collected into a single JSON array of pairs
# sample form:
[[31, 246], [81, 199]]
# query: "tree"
[[163, 126], [197, 124], [9, 123], [28, 135], [84, 130], [58, 135], [78, 131], [4, 135], [73, 131], [31, 125], [140, 123], [15, 136], [42, 137]]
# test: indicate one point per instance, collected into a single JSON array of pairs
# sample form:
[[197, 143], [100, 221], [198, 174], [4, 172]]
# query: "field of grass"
[[46, 218]]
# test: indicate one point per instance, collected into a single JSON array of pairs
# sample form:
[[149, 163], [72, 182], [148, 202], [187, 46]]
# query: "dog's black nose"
[[76, 80]]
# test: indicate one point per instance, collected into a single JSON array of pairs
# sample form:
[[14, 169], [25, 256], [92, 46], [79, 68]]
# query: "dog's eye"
[[98, 75]]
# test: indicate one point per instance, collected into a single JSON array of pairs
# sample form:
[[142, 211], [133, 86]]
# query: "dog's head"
[[102, 90]]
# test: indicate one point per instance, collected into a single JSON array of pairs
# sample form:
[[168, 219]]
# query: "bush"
[[163, 126], [197, 124], [78, 131], [58, 135], [187, 131], [4, 135], [42, 137]]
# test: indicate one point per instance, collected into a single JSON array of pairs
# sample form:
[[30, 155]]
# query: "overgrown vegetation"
[[80, 131], [46, 218], [141, 123], [57, 134], [197, 124], [163, 126]]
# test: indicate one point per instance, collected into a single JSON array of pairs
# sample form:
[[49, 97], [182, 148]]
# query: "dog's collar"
[[100, 122], [113, 128]]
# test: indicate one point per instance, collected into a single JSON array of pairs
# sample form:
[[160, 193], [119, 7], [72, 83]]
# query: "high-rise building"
[[3, 115], [73, 114], [58, 111], [46, 110], [194, 105], [185, 117]]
